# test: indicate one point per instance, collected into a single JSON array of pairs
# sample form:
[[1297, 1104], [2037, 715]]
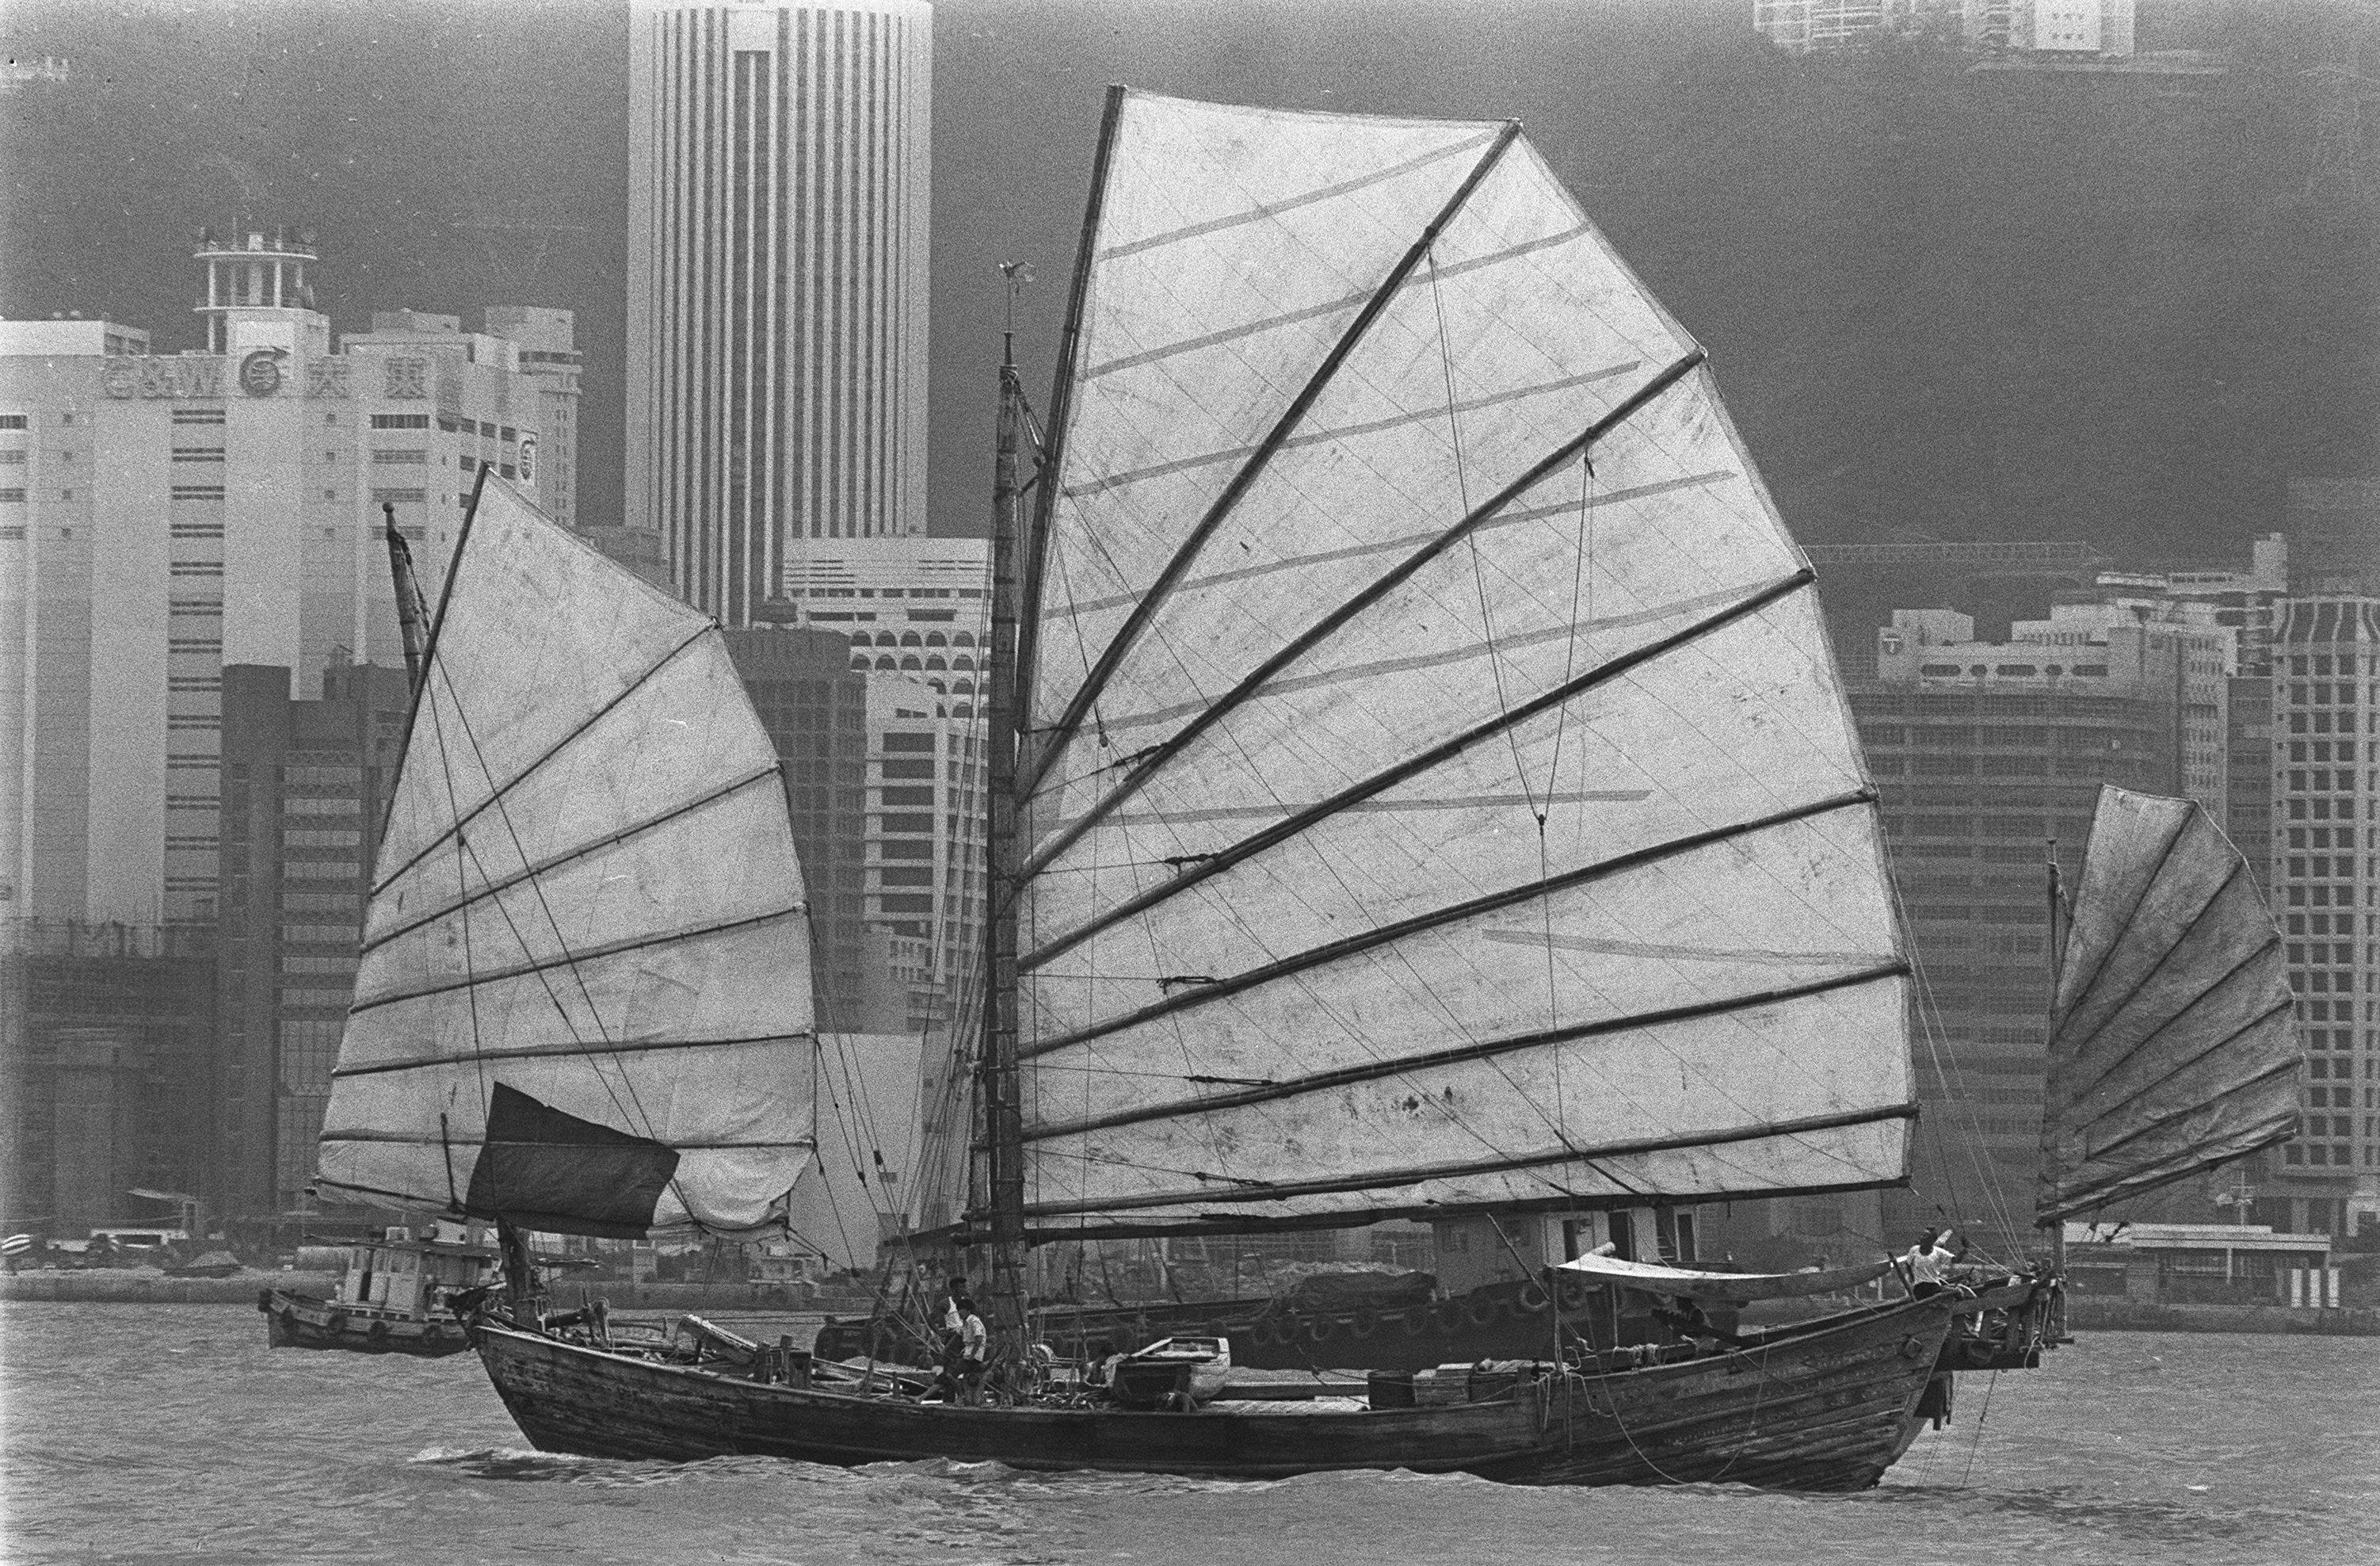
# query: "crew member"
[[1928, 1263], [975, 1342]]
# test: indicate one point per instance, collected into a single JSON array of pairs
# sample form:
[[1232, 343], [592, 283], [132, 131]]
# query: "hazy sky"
[[1942, 304]]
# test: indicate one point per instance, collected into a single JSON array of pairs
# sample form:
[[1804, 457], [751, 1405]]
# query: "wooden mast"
[[412, 616], [2049, 1026], [997, 1082], [417, 630]]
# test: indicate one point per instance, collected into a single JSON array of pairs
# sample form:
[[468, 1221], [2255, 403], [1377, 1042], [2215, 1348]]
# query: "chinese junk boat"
[[1419, 786], [2173, 1039]]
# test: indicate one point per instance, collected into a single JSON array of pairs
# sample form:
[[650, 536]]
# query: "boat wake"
[[523, 1465], [2203, 1518]]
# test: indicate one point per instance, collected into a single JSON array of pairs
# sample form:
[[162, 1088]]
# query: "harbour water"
[[170, 1432]]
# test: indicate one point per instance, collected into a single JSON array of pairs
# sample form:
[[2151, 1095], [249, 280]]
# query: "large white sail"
[[585, 996], [2174, 1047], [1439, 791]]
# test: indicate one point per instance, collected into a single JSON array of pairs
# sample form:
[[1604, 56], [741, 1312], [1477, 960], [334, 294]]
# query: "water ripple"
[[137, 1433]]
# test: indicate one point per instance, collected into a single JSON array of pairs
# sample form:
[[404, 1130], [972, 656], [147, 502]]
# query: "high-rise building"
[[2325, 859], [305, 786], [162, 516], [1863, 585], [884, 780], [549, 457], [1987, 754], [919, 606], [105, 1045], [779, 181]]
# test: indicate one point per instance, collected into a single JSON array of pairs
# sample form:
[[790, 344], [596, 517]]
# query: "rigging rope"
[[633, 1110]]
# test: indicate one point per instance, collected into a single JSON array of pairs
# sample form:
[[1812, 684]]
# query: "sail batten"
[[1218, 989], [484, 1057], [575, 958], [1389, 778], [1438, 765], [1229, 1188], [1323, 630], [2157, 1072], [1376, 1071], [583, 1002], [495, 792], [1254, 463]]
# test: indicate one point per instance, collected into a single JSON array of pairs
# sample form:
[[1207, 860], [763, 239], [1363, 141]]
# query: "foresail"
[[583, 1001], [1443, 796], [2174, 1047]]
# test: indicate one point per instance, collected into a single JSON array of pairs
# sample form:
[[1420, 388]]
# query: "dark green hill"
[[1963, 305]]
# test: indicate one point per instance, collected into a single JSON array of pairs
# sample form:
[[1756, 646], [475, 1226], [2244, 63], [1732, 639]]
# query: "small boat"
[[1419, 786], [395, 1296]]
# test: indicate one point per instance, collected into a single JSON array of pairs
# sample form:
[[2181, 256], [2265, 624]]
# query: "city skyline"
[[799, 431], [1946, 304]]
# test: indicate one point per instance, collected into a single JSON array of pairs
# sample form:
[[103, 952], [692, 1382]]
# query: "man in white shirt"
[[1928, 1264], [975, 1343]]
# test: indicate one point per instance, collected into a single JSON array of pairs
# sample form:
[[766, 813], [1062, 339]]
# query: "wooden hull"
[[301, 1321], [1827, 1407]]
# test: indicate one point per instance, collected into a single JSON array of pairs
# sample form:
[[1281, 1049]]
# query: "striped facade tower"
[[778, 193]]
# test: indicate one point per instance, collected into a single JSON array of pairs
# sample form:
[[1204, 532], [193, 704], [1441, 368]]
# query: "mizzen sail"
[[2174, 1046], [1439, 791], [584, 1002]]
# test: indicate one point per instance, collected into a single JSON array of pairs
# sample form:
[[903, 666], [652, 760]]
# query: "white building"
[[779, 181], [543, 336], [915, 606], [2101, 29], [2087, 650], [1802, 27], [161, 516]]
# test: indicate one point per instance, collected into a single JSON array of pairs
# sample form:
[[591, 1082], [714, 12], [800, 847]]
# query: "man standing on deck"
[[952, 1337], [1928, 1264], [974, 1341]]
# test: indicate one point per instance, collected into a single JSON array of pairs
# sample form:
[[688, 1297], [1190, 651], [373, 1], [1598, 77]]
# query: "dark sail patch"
[[546, 1170]]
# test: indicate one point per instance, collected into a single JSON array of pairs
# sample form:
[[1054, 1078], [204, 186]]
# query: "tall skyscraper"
[[2326, 686], [305, 784], [779, 176]]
